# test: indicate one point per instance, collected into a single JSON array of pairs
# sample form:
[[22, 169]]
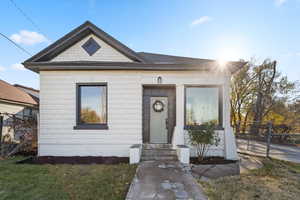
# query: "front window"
[[203, 104], [91, 106]]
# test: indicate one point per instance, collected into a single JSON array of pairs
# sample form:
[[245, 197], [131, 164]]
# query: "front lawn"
[[27, 181], [276, 180]]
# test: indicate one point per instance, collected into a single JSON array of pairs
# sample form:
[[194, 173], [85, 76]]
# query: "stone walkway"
[[164, 180]]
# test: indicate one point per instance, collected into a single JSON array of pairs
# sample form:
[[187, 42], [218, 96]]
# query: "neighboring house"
[[98, 97], [31, 91], [14, 101]]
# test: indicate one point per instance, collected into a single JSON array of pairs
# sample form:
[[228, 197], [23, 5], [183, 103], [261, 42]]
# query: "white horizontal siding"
[[105, 53], [58, 109]]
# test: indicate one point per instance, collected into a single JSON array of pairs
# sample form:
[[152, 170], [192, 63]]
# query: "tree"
[[269, 85], [257, 91], [241, 97]]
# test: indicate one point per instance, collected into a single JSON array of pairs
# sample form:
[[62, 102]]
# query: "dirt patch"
[[74, 160], [211, 161]]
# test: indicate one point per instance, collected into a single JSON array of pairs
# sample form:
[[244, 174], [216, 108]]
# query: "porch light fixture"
[[159, 80]]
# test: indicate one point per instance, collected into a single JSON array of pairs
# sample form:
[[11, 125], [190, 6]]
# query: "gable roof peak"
[[76, 35]]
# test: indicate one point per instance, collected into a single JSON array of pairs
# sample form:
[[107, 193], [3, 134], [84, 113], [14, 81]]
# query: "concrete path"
[[281, 152], [248, 163], [164, 180]]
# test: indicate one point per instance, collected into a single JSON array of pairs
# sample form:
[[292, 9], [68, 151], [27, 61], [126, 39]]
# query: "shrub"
[[203, 138]]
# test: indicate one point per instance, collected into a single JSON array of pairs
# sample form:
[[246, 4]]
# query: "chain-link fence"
[[271, 141]]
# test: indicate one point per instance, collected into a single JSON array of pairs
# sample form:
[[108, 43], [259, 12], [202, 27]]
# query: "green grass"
[[26, 181], [277, 180]]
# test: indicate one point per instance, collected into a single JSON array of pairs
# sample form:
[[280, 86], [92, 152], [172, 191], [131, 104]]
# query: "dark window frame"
[[101, 126], [220, 102], [86, 46]]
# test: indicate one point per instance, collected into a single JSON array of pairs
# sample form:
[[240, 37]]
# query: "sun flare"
[[228, 54]]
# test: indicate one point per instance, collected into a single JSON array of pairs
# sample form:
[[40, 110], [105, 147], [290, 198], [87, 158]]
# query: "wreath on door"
[[158, 106]]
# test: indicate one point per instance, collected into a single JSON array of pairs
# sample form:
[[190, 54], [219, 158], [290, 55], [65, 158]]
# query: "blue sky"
[[230, 29]]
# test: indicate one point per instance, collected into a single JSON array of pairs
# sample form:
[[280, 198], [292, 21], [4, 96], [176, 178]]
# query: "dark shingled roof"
[[169, 59], [15, 95]]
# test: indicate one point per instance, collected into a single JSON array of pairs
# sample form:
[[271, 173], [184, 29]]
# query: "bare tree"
[[241, 97]]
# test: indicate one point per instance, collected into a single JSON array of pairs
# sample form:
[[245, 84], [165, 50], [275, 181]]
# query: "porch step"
[[158, 152], [157, 146], [162, 158]]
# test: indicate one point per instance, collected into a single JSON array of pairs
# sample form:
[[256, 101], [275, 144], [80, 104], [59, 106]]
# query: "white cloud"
[[2, 69], [280, 2], [28, 37], [201, 20], [18, 66]]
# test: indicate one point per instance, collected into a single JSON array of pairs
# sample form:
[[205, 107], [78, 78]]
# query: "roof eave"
[[83, 65]]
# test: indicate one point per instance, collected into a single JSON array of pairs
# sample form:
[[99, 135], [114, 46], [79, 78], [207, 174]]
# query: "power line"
[[26, 16], [24, 50]]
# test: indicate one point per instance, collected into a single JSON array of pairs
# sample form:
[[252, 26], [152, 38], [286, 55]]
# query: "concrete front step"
[[157, 146], [158, 152], [159, 158]]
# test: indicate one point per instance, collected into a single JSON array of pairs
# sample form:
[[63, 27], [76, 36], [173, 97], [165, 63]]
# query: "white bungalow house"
[[100, 98]]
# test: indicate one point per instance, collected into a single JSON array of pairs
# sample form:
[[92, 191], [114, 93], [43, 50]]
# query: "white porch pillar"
[[229, 137], [178, 137]]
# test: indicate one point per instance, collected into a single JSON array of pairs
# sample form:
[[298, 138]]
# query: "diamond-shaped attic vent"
[[91, 46]]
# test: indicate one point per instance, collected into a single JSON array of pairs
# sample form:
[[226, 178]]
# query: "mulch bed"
[[74, 160], [211, 161]]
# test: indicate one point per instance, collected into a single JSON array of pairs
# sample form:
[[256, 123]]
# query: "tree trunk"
[[257, 115], [245, 122]]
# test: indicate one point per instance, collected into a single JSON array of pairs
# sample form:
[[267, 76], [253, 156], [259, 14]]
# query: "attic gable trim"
[[76, 35]]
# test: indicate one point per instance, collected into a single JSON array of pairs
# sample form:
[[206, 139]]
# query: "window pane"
[[93, 104], [202, 105]]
